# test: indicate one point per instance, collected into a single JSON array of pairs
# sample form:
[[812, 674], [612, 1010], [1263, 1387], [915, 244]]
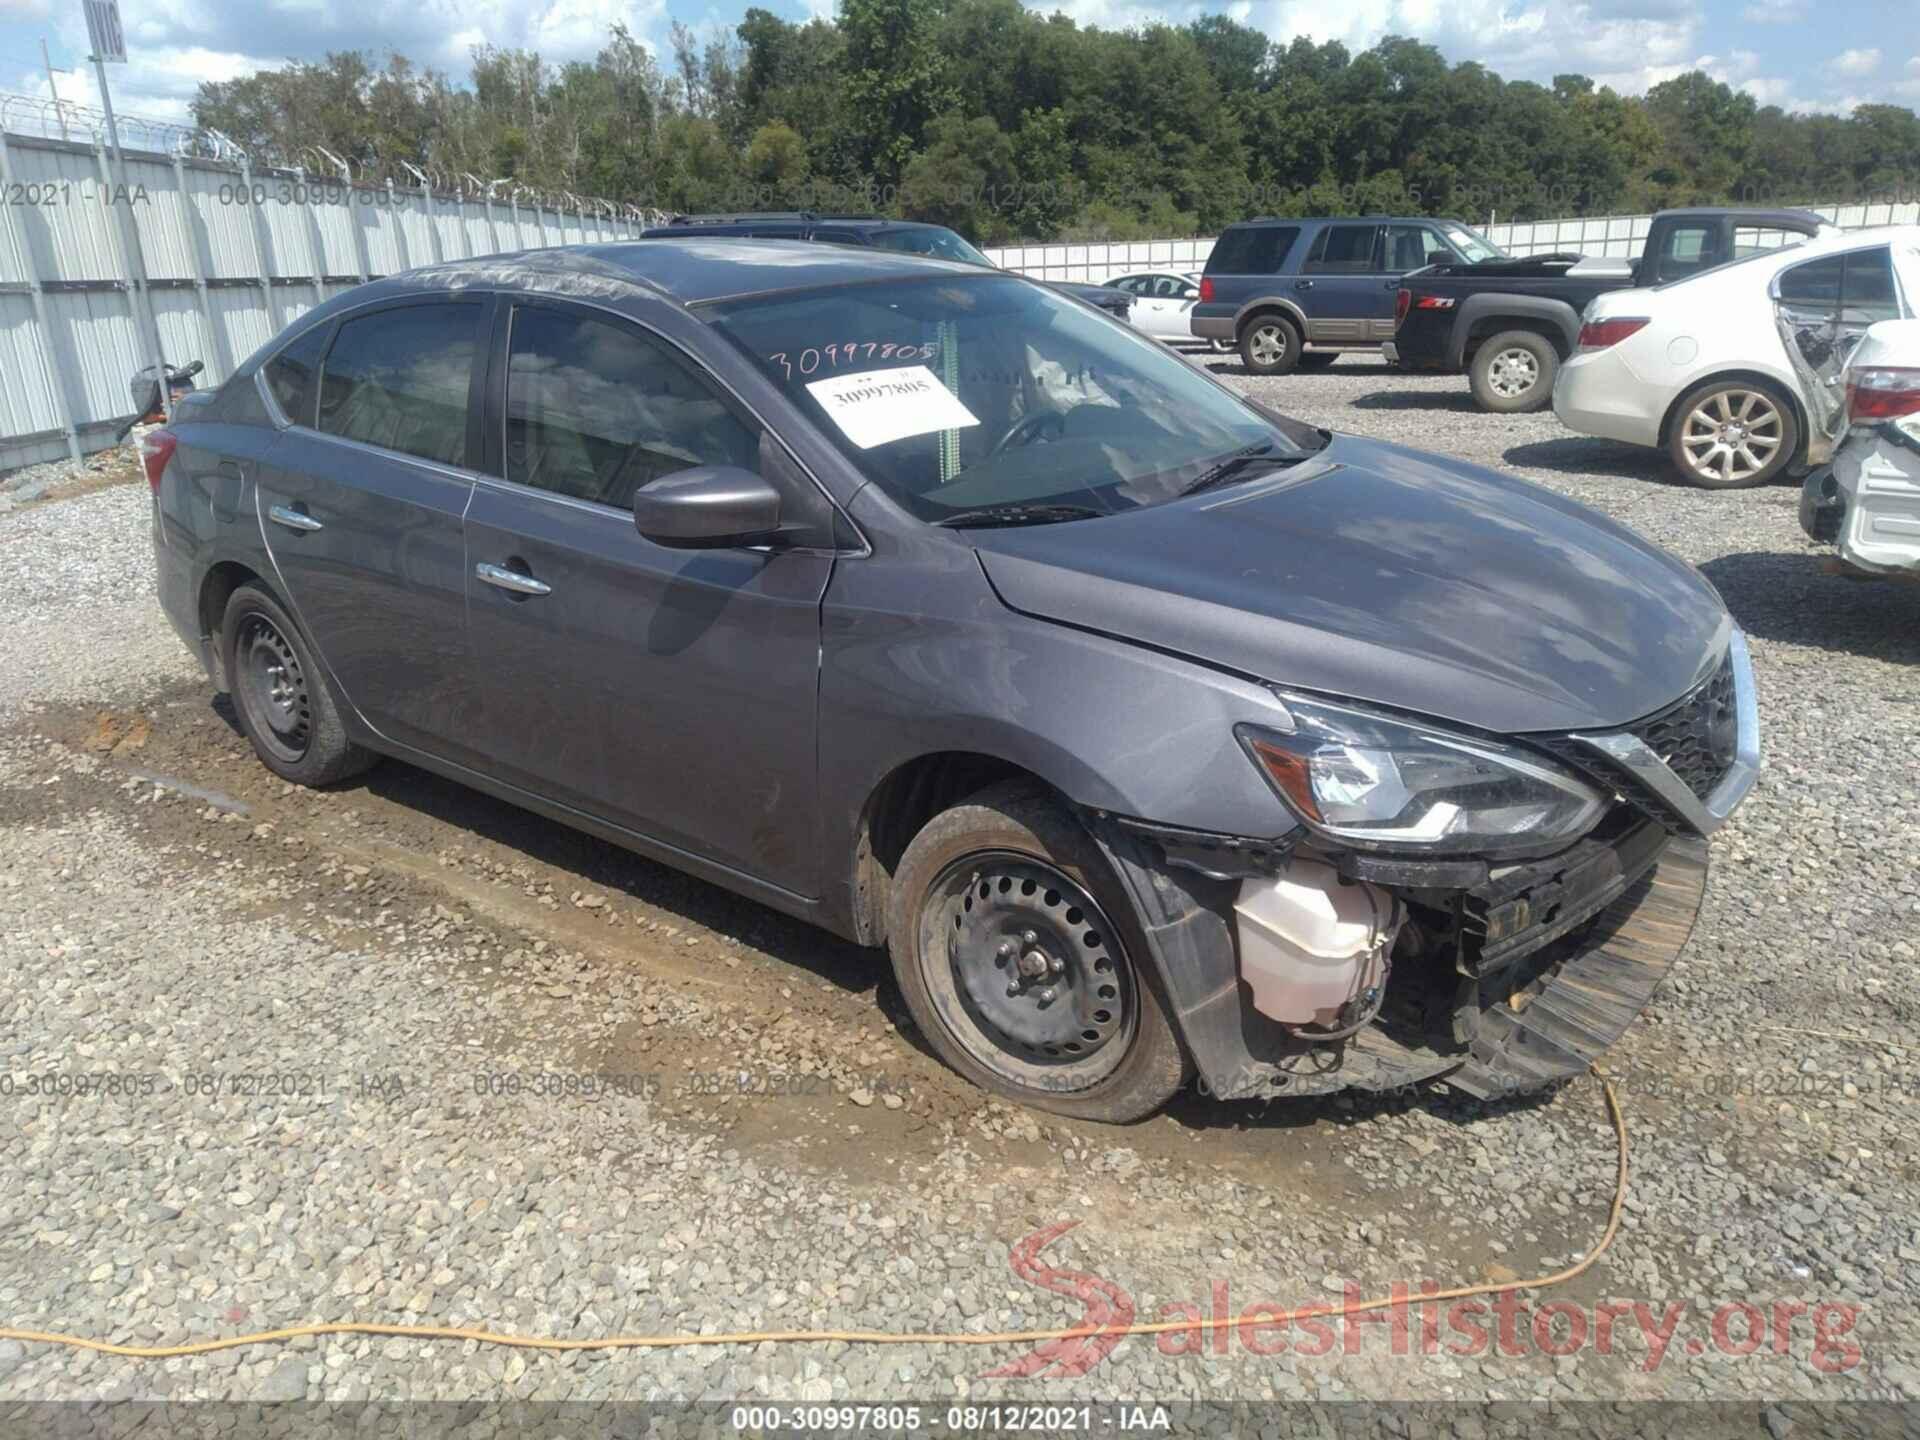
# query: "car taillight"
[[1882, 392], [1601, 334], [156, 449], [1400, 304], [1206, 288]]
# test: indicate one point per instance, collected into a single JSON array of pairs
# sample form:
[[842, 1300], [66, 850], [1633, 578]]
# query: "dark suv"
[[905, 237], [1297, 292], [1147, 729]]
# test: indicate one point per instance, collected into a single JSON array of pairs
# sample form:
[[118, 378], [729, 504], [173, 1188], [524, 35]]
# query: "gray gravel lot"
[[348, 1031]]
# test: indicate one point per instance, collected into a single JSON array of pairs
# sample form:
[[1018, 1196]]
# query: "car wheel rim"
[[1268, 345], [1027, 971], [272, 688], [1512, 373], [1732, 435]]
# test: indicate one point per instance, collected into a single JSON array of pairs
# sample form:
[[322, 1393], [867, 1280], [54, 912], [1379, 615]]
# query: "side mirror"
[[709, 507]]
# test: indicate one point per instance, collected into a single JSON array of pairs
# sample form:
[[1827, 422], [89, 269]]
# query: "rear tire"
[[1732, 434], [1512, 372], [1270, 345], [282, 699], [1021, 958]]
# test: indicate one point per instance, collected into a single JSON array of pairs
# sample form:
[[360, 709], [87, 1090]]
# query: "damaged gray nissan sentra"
[[1150, 731]]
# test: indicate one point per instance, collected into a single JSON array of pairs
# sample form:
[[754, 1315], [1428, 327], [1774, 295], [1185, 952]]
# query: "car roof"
[[1346, 220], [1743, 213], [693, 269], [1903, 236]]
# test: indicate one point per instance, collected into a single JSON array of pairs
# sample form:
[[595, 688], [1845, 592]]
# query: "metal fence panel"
[[233, 253]]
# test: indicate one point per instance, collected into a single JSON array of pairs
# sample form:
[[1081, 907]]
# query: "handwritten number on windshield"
[[810, 360]]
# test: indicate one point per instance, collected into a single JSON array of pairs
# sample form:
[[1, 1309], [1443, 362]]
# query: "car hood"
[[1381, 574]]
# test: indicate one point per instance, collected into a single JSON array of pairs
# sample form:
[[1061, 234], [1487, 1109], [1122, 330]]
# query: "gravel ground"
[[348, 1031]]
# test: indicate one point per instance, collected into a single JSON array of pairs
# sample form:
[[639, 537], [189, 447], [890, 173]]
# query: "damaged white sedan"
[[1868, 501]]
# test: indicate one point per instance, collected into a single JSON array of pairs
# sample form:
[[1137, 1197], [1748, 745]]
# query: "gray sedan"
[[1149, 731]]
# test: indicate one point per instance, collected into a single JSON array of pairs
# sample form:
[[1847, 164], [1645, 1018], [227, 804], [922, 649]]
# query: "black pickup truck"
[[1509, 323]]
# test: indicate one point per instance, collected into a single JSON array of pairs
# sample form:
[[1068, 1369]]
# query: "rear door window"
[[1251, 249], [597, 409], [400, 379], [291, 375], [1867, 293], [1343, 250]]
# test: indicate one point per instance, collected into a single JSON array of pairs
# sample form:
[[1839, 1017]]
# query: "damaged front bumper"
[[1497, 977], [1516, 982]]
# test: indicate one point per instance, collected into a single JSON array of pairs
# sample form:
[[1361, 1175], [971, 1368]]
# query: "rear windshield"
[[1251, 249], [932, 240]]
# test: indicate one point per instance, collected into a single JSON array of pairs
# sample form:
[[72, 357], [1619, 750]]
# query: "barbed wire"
[[43, 118]]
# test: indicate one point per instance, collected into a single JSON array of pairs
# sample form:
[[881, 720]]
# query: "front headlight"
[[1376, 783]]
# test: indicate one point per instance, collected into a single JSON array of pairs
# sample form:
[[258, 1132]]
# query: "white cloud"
[[1854, 62], [1621, 40], [1774, 12]]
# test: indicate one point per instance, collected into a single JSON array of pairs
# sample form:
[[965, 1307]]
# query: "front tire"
[[1270, 345], [1732, 434], [282, 700], [1023, 964], [1512, 373]]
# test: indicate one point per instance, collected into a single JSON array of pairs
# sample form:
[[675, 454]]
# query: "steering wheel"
[[1027, 428]]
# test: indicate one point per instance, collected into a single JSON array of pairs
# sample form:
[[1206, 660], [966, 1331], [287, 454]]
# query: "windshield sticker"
[[877, 407]]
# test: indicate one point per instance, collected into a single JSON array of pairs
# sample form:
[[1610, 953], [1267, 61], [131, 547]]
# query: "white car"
[[1868, 501], [1164, 301], [1736, 371]]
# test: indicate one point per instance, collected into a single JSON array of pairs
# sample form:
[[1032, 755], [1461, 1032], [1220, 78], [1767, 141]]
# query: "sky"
[[1824, 55]]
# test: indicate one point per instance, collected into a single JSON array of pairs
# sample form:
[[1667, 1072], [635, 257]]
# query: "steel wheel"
[[1733, 436], [271, 687], [1029, 974], [1512, 373]]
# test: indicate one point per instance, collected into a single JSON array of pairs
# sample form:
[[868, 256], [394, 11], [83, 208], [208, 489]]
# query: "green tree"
[[895, 81]]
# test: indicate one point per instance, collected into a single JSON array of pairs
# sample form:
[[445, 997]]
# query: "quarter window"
[[1251, 249], [398, 379], [291, 373], [1814, 285], [596, 410]]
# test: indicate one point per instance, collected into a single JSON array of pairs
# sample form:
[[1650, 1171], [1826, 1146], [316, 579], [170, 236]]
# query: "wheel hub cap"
[[1512, 372]]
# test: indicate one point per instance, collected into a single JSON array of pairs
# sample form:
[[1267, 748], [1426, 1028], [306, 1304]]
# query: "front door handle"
[[511, 580], [293, 519]]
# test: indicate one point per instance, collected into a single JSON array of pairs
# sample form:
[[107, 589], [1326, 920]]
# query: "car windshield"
[[1472, 244], [958, 394], [934, 240]]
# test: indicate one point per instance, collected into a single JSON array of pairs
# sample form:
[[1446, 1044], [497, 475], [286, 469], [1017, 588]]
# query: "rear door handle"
[[511, 580], [1303, 284], [293, 519]]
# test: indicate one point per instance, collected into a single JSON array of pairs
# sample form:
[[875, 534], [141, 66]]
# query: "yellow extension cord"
[[859, 1337]]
